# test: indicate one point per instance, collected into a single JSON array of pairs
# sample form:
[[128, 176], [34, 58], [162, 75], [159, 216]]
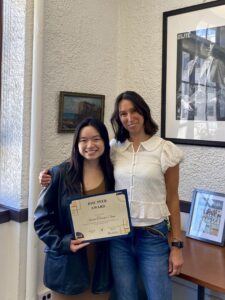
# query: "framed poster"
[[207, 217], [74, 107], [193, 75]]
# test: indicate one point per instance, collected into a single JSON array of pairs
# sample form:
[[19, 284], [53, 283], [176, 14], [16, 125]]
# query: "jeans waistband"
[[151, 228], [148, 226]]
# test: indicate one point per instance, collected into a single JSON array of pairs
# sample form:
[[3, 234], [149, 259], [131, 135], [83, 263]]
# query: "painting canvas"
[[74, 107]]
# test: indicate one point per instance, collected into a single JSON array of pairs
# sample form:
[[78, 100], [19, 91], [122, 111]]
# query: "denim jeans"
[[145, 253]]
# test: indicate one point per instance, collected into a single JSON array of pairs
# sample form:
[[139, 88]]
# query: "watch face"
[[178, 244]]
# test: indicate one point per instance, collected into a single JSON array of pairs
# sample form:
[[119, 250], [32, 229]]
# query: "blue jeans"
[[145, 253]]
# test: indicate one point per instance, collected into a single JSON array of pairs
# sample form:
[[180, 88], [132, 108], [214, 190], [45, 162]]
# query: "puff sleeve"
[[171, 155]]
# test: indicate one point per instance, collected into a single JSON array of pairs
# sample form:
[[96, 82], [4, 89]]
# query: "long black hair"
[[150, 126], [74, 173]]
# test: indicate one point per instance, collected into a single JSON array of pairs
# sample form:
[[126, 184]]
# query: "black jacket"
[[66, 272]]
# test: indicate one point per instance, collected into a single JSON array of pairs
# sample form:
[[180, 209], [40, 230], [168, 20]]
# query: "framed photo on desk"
[[207, 217]]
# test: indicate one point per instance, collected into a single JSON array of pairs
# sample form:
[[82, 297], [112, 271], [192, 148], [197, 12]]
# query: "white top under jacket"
[[142, 174]]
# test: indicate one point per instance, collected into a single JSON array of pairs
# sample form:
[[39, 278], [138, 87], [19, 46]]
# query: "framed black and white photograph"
[[193, 75], [74, 107], [207, 217]]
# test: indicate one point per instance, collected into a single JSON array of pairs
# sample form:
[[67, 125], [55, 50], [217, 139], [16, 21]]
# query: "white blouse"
[[142, 174]]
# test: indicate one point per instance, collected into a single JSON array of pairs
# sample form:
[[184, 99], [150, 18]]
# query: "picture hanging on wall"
[[193, 75], [74, 107], [207, 217]]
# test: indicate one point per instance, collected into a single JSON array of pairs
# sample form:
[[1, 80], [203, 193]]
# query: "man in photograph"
[[201, 93]]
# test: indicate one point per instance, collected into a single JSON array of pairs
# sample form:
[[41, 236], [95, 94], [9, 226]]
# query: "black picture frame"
[[74, 107], [207, 217], [193, 80]]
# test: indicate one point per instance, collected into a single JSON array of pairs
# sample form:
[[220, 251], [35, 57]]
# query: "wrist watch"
[[177, 244]]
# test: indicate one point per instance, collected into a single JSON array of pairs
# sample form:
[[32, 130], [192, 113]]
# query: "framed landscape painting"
[[74, 107]]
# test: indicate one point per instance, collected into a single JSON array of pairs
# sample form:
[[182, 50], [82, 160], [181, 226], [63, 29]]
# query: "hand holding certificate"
[[101, 216]]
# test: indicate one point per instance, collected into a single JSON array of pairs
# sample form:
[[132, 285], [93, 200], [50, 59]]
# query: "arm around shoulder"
[[44, 178]]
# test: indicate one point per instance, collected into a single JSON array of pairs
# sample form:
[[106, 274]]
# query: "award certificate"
[[101, 216]]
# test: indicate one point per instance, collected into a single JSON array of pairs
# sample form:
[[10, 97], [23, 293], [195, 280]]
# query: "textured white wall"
[[12, 103], [80, 55], [15, 102]]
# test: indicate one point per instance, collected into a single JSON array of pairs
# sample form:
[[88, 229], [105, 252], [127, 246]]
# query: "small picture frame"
[[74, 107], [207, 217]]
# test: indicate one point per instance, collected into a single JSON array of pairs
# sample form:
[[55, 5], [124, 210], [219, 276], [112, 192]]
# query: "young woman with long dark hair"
[[88, 171]]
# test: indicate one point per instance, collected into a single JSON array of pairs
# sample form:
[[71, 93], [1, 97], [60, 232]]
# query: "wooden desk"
[[204, 264]]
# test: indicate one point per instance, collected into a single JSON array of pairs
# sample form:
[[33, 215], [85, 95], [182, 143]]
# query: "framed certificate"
[[101, 216]]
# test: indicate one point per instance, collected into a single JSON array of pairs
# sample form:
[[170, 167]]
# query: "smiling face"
[[90, 145], [130, 118]]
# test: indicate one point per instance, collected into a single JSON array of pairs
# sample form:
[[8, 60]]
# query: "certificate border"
[[76, 197]]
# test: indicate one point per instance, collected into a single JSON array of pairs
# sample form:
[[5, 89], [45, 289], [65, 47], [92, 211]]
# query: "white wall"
[[91, 46], [80, 55]]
